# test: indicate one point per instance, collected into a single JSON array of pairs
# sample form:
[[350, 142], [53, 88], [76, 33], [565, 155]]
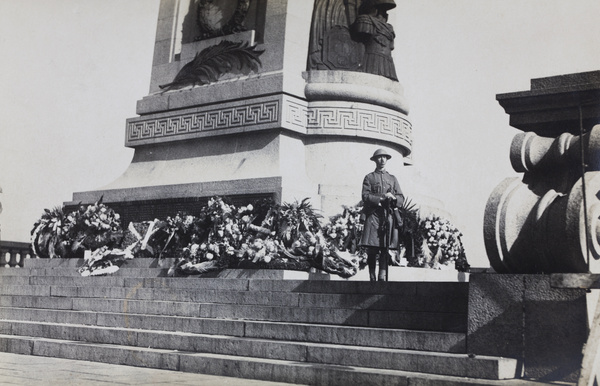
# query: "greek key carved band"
[[225, 118], [295, 115], [346, 119]]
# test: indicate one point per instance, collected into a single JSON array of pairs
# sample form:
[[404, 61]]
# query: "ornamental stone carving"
[[537, 224], [548, 221], [327, 118], [352, 36], [201, 122]]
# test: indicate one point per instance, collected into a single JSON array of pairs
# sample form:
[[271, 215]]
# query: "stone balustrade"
[[13, 254]]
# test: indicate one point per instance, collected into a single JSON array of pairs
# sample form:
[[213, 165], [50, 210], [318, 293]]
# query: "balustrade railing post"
[[3, 259], [13, 262], [24, 256], [13, 254]]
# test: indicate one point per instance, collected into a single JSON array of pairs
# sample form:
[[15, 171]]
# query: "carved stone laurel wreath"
[[210, 28]]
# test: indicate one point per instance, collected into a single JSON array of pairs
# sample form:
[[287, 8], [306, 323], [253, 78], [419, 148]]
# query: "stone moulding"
[[355, 87], [333, 118]]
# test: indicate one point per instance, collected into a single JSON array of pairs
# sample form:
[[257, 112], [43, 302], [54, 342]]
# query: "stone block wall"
[[523, 317]]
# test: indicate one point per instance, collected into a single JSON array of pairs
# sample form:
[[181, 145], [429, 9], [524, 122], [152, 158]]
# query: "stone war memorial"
[[231, 244]]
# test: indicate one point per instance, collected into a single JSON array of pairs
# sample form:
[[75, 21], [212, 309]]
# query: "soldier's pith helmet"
[[380, 152]]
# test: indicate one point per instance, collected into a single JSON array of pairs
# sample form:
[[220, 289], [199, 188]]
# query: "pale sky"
[[72, 71]]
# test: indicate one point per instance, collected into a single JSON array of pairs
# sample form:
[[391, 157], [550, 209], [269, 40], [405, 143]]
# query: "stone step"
[[318, 333], [431, 289], [236, 366], [76, 263], [460, 365], [424, 321], [68, 272], [150, 267], [395, 302]]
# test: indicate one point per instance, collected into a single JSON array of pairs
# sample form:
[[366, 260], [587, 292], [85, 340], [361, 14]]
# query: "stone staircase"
[[295, 331]]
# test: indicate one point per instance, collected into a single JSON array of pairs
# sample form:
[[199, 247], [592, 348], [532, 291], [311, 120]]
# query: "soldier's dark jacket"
[[375, 185]]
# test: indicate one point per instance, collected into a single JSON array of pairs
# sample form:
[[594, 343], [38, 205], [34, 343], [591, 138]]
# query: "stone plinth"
[[522, 317]]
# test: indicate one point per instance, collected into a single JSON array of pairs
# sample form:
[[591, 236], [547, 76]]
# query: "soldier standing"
[[381, 193]]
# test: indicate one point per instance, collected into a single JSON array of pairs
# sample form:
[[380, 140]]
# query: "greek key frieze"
[[227, 118], [353, 119], [294, 114]]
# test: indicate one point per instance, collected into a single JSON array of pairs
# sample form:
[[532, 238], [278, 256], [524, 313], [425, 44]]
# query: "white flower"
[[209, 256], [261, 253]]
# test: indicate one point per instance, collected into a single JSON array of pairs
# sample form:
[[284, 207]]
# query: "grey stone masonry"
[[299, 331]]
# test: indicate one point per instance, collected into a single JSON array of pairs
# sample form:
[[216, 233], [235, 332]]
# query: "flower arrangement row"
[[222, 235]]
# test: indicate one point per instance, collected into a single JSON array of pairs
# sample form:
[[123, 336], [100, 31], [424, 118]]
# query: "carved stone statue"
[[331, 22], [371, 28], [353, 37]]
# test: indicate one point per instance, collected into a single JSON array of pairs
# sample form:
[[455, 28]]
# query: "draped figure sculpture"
[[371, 28], [346, 35], [331, 20]]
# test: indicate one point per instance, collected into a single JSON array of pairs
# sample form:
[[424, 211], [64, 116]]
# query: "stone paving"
[[44, 371]]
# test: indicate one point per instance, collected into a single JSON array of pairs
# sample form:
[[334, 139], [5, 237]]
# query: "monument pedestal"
[[259, 126]]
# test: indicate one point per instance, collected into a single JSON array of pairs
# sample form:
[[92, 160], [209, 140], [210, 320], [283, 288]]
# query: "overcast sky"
[[72, 71]]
